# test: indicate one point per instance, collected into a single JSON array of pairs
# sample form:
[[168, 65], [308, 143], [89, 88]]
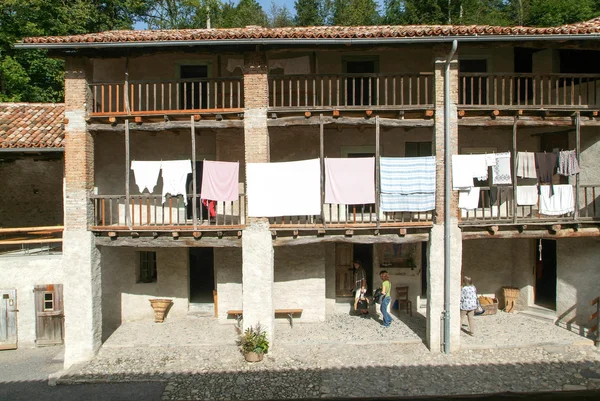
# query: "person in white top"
[[360, 284]]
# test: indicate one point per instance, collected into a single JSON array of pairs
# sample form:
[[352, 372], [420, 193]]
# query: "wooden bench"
[[290, 313], [238, 313]]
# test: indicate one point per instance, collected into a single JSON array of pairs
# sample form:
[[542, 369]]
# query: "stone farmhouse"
[[321, 95]]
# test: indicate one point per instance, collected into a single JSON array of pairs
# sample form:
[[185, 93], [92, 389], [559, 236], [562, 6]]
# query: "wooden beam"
[[138, 119], [336, 113], [355, 239], [197, 234], [564, 233], [307, 114], [349, 233], [295, 233], [175, 235], [377, 170], [167, 242], [369, 113], [30, 241], [167, 126], [514, 165], [495, 113], [54, 229], [402, 232], [555, 228], [523, 122], [127, 174], [197, 117], [112, 120], [154, 234], [461, 113], [194, 187], [429, 113], [493, 230], [135, 234], [112, 234], [273, 234], [384, 122], [577, 151]]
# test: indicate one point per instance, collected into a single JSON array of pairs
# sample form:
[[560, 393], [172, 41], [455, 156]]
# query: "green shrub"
[[254, 339]]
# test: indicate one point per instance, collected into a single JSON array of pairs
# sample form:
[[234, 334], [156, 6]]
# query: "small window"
[[147, 272], [48, 301], [417, 149]]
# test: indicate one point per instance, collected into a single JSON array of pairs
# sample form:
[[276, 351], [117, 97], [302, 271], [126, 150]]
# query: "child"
[[468, 302], [362, 304]]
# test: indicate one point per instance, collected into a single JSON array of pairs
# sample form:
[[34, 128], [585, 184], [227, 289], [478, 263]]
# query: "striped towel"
[[407, 184]]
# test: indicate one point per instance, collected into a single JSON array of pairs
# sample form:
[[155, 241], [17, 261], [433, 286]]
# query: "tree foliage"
[[355, 12]]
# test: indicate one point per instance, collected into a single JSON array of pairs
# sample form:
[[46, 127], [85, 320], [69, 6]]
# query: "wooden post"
[[322, 157], [194, 189], [377, 156], [126, 88], [127, 167], [577, 150], [514, 166]]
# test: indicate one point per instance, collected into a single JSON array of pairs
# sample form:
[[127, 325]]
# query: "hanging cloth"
[[567, 163], [469, 200], [501, 169], [220, 181], [526, 165], [174, 173], [284, 189], [545, 165], [462, 174], [527, 195], [350, 181], [407, 184], [559, 203], [145, 174]]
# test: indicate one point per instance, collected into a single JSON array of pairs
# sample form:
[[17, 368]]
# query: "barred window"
[[147, 271]]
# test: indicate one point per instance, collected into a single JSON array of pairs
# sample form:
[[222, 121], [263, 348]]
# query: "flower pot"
[[161, 307], [253, 357]]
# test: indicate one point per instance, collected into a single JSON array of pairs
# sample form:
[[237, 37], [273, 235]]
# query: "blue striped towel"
[[407, 184], [407, 203]]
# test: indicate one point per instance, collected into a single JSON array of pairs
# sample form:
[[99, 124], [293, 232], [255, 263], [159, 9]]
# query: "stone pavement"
[[346, 356]]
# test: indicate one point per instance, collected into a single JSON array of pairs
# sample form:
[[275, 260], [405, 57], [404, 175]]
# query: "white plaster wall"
[[578, 276], [23, 273], [126, 300], [330, 297], [228, 271], [300, 280]]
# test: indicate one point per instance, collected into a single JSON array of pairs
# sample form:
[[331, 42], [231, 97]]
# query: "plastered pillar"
[[81, 258], [436, 254], [257, 246]]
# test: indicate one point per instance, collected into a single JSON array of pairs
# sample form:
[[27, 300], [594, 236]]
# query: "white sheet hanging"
[[469, 200], [284, 189], [462, 174], [174, 173], [527, 195], [292, 66], [561, 202], [146, 174]]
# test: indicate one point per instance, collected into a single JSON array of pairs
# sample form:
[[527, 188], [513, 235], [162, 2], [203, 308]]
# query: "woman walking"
[[386, 288]]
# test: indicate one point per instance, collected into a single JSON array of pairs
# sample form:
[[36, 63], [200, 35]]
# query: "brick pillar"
[[82, 283], [435, 279], [257, 246]]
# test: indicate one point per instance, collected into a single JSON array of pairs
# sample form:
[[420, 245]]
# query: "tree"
[[559, 12], [280, 16], [355, 12], [247, 12], [309, 13]]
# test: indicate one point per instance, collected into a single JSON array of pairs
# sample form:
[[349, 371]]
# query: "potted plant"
[[254, 343]]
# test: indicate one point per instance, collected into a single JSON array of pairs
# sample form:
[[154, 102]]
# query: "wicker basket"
[[489, 309], [161, 307], [511, 294]]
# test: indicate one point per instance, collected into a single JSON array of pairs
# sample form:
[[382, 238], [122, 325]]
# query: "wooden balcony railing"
[[522, 91], [157, 97], [111, 212], [31, 239], [353, 216], [499, 207], [351, 91]]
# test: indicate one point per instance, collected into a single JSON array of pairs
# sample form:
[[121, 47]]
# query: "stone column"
[[81, 258], [257, 246], [435, 279]]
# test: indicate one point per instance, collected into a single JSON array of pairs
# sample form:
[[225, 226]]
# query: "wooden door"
[[8, 319], [49, 322], [344, 277]]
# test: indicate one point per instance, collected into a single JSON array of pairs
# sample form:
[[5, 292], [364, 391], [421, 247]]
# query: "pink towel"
[[350, 181], [220, 181]]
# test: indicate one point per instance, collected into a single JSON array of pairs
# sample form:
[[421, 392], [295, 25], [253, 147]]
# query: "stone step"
[[204, 309], [540, 313]]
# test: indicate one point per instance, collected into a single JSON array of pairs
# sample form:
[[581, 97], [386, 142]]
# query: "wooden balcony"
[[528, 91], [31, 240], [183, 96], [503, 210], [149, 213], [351, 92]]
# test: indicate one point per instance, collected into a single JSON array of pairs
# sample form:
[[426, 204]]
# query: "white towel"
[[284, 189], [561, 202], [145, 174], [479, 166], [469, 199], [526, 165], [527, 195], [490, 159], [234, 63], [501, 170], [174, 173], [462, 173]]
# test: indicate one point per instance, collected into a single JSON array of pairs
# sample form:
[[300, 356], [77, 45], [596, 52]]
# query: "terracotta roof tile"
[[32, 125], [319, 32]]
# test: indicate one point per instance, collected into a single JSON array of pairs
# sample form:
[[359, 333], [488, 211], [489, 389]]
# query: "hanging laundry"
[[501, 170], [567, 163], [559, 203], [526, 165], [545, 165], [462, 174], [479, 167], [350, 181], [469, 200], [527, 195], [284, 189], [210, 206], [145, 174], [233, 63], [174, 174], [490, 159], [407, 184], [220, 181], [201, 210]]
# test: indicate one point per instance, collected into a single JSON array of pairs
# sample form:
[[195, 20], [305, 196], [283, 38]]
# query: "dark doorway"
[[364, 253], [545, 274], [360, 90], [193, 89], [473, 89], [523, 86], [202, 275], [424, 269]]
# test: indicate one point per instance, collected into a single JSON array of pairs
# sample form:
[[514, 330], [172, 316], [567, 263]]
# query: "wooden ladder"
[[595, 316]]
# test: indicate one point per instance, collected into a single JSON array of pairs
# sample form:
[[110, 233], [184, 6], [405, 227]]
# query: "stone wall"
[[23, 273], [32, 193]]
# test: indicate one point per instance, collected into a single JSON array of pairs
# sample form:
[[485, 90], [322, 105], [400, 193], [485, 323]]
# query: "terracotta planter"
[[253, 357], [161, 307]]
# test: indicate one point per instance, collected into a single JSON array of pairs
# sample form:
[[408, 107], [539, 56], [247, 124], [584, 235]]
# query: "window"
[[360, 88], [473, 88], [48, 301], [147, 272], [194, 88], [417, 149]]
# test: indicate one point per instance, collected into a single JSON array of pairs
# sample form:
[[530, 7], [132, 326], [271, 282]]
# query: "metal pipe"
[[447, 194], [302, 42]]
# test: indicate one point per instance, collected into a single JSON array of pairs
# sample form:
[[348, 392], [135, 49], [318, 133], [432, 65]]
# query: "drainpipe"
[[447, 195]]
